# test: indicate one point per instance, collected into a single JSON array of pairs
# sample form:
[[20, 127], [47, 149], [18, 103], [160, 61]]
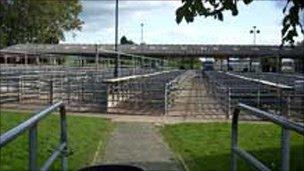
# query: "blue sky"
[[160, 27]]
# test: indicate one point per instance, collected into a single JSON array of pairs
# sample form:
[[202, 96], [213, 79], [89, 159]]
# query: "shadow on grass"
[[271, 157]]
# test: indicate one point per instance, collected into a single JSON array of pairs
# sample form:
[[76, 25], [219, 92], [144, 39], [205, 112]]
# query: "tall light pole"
[[117, 60], [142, 33], [254, 31]]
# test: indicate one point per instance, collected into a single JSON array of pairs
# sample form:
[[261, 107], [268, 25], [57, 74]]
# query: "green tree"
[[37, 21], [215, 8], [125, 41]]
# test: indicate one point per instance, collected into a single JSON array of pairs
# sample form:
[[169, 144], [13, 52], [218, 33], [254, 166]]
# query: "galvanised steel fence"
[[32, 125], [282, 121], [139, 94], [81, 88], [258, 92]]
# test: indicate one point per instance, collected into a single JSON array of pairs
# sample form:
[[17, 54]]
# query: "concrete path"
[[141, 145]]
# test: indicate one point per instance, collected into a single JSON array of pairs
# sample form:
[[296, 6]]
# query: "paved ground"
[[141, 145]]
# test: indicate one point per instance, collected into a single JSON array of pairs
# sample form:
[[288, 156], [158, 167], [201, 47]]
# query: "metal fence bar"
[[53, 157], [280, 120], [33, 148], [250, 159], [13, 133], [64, 138], [234, 139], [285, 138], [31, 124], [285, 150]]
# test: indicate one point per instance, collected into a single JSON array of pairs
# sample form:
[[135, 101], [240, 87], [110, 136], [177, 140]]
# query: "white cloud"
[[160, 26]]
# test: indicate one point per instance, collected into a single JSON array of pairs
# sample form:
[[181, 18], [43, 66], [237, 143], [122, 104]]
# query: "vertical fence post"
[[25, 59], [96, 57], [82, 87], [63, 138], [285, 149], [229, 103], [68, 88], [19, 88], [51, 91], [33, 148], [166, 98], [259, 95], [285, 139], [234, 139]]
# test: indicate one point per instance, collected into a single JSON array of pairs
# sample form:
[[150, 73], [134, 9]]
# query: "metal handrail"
[[282, 121], [31, 124]]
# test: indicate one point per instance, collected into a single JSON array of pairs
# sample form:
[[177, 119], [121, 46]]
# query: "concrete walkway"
[[141, 145]]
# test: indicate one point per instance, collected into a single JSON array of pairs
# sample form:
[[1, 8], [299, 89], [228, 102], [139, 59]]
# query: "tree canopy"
[[37, 21], [215, 8], [125, 41]]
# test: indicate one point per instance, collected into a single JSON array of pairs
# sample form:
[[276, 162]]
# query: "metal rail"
[[275, 93], [138, 94], [31, 125], [282, 121]]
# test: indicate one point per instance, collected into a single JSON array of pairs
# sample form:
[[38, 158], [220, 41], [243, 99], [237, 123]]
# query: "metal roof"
[[160, 50]]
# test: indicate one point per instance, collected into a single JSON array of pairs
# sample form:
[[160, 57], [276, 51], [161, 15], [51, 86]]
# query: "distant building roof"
[[159, 50]]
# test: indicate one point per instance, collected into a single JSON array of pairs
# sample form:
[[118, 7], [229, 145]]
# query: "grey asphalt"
[[141, 145]]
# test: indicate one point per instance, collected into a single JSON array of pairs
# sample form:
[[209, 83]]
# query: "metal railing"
[[31, 125], [138, 94], [81, 88], [282, 121]]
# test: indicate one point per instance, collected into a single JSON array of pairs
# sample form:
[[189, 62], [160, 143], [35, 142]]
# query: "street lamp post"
[[254, 31], [117, 60], [142, 33]]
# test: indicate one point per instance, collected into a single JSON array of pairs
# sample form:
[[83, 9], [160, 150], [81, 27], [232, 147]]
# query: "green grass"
[[84, 135], [206, 146]]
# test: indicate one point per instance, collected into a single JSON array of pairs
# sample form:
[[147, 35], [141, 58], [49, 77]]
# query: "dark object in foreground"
[[111, 168]]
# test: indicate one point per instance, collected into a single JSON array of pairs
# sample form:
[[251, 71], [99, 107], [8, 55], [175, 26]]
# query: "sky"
[[160, 27]]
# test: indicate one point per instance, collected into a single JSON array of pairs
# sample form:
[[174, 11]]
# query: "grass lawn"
[[84, 136], [206, 146]]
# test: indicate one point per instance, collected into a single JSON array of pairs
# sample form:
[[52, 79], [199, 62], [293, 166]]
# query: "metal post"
[[259, 94], [229, 103], [250, 64], [51, 92], [96, 57], [134, 65], [285, 138], [285, 149], [37, 60], [117, 60], [228, 64], [166, 98], [68, 89], [5, 59], [33, 148], [63, 138], [234, 139], [142, 33], [254, 31], [25, 59]]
